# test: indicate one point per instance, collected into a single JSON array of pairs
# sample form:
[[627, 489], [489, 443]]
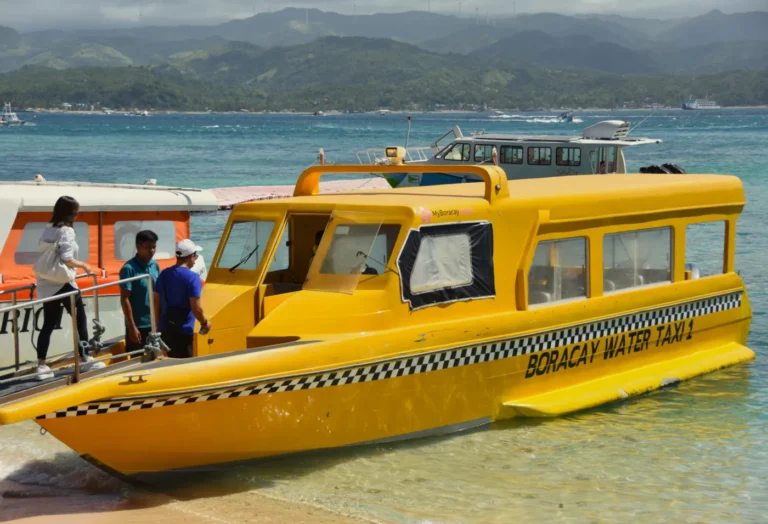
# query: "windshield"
[[245, 244]]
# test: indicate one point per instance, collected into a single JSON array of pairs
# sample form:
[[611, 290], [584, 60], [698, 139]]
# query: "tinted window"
[[511, 155], [568, 156], [539, 156]]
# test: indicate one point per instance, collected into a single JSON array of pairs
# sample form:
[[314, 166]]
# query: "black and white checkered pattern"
[[427, 362]]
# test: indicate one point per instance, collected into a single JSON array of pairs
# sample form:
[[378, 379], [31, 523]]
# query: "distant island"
[[407, 61]]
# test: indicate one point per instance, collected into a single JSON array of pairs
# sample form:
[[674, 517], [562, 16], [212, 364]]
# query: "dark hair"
[[145, 236], [65, 211]]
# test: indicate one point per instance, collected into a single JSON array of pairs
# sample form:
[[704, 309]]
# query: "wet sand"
[[37, 505]]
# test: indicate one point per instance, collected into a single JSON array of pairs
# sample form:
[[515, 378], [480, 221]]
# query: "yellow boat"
[[423, 311]]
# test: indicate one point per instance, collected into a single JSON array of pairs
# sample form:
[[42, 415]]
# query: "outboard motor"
[[674, 168]]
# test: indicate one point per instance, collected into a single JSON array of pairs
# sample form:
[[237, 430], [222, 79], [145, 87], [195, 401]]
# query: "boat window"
[[568, 156], [125, 238], [705, 249], [245, 244], [603, 160], [539, 156], [442, 261], [558, 271], [347, 254], [458, 153], [483, 153], [378, 259], [637, 258], [283, 254], [27, 251], [447, 263], [511, 155]]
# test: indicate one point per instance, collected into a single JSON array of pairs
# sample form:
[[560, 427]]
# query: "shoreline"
[[331, 112]]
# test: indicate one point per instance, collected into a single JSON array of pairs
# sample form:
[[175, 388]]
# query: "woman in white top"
[[61, 231]]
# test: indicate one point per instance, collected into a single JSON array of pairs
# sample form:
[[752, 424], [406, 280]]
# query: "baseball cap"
[[186, 247]]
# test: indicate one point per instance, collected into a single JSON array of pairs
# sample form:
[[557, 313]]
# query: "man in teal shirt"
[[134, 296]]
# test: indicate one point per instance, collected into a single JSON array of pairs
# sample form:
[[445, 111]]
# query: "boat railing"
[[377, 156], [95, 342]]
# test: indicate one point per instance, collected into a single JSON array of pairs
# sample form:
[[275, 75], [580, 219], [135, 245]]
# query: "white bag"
[[50, 267]]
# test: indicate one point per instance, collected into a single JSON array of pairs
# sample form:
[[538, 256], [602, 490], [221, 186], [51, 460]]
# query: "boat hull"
[[452, 384]]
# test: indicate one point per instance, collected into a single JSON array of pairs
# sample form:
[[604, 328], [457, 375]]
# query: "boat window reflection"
[[637, 258], [458, 153], [246, 238], [558, 271], [511, 155]]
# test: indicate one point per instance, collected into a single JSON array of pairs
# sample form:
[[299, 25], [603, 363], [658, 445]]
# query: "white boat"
[[700, 103], [110, 216], [599, 150], [9, 118], [137, 112]]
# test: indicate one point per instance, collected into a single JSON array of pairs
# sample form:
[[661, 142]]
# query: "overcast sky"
[[26, 15]]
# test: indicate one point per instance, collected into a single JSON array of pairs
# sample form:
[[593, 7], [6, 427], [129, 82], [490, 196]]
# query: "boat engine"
[[669, 169]]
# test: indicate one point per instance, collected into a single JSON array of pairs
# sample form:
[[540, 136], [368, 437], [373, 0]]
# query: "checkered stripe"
[[430, 361]]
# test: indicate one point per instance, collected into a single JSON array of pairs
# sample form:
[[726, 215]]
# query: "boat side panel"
[[376, 402]]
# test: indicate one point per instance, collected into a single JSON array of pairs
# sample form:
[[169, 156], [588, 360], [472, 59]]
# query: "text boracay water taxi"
[[423, 311]]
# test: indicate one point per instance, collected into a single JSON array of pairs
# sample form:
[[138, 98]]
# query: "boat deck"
[[24, 386]]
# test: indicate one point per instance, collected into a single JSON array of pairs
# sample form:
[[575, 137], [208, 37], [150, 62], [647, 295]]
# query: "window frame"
[[724, 253], [568, 163], [513, 148], [587, 270], [671, 267], [539, 163], [457, 144], [488, 147], [481, 257]]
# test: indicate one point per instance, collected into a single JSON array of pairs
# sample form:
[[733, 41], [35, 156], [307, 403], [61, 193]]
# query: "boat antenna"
[[408, 134], [641, 123]]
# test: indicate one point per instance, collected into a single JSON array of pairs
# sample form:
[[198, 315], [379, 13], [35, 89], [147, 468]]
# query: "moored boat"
[[110, 216], [9, 118], [423, 311], [598, 150]]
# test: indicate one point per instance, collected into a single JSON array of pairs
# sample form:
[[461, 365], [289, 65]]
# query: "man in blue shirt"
[[134, 296], [178, 291]]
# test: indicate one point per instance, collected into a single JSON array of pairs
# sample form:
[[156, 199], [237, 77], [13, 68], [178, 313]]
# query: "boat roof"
[[558, 139], [41, 196], [564, 198]]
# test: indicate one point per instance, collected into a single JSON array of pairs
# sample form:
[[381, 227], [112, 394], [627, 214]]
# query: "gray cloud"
[[27, 15]]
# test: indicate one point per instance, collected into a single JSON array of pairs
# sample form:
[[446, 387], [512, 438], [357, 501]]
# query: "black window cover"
[[481, 244]]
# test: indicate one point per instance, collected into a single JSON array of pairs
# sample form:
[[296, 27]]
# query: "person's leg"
[[185, 346], [169, 338], [52, 312]]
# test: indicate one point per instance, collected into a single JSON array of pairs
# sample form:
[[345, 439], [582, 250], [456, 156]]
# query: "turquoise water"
[[694, 453]]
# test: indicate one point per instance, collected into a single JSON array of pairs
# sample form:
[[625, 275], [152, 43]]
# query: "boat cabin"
[[109, 218], [599, 150]]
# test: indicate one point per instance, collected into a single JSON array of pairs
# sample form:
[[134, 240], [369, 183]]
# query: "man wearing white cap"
[[178, 291]]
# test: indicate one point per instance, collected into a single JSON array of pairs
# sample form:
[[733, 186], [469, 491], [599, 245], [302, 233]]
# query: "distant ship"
[[700, 103]]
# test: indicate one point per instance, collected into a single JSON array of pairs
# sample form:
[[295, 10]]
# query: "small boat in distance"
[[9, 118], [566, 116], [700, 103]]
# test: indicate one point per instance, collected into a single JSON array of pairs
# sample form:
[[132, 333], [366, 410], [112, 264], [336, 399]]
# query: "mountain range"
[[713, 42]]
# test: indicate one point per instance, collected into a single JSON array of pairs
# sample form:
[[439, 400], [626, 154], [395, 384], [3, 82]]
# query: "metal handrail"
[[72, 295], [14, 290]]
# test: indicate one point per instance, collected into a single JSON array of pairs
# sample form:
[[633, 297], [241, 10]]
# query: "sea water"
[[692, 453]]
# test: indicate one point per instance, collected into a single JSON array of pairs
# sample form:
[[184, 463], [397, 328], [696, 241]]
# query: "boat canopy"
[[41, 196]]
